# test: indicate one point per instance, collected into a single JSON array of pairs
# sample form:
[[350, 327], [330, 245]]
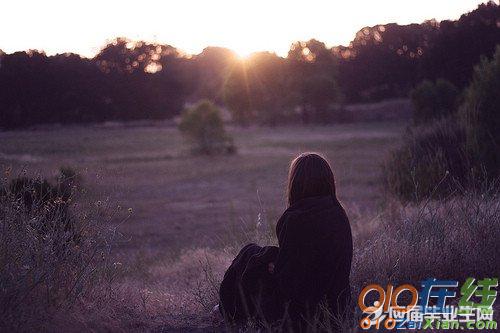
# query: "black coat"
[[312, 264]]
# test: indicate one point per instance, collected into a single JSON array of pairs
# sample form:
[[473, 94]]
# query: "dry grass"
[[191, 215], [453, 238], [54, 254]]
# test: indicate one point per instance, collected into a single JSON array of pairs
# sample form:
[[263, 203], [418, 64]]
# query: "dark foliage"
[[137, 80], [49, 202], [54, 254], [461, 148], [204, 128], [258, 89], [431, 159], [480, 114], [457, 46], [387, 60], [118, 84], [313, 69], [434, 100]]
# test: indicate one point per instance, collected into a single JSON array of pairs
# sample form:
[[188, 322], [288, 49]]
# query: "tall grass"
[[430, 160], [451, 238], [54, 252], [63, 279]]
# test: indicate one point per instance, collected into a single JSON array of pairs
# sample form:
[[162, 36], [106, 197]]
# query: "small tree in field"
[[204, 128]]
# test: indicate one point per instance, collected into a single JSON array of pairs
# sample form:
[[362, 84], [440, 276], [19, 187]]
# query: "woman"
[[311, 266]]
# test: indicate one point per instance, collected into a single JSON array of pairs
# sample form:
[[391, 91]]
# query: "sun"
[[242, 50], [242, 47]]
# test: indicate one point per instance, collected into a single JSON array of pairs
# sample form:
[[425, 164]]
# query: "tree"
[[257, 89], [145, 81], [457, 46], [270, 85], [203, 127], [125, 81], [480, 113], [238, 94], [211, 68], [434, 100], [313, 73], [383, 61], [386, 61]]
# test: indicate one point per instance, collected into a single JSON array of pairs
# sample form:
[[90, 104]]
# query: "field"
[[183, 217], [183, 205], [183, 201]]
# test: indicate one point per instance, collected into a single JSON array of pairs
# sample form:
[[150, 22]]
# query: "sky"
[[83, 27]]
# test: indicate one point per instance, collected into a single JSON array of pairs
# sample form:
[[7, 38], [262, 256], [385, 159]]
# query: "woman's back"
[[315, 253]]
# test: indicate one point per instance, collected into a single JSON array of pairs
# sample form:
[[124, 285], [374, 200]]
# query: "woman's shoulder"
[[322, 212], [315, 207]]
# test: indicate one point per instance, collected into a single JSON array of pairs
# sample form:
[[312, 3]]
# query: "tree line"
[[130, 80]]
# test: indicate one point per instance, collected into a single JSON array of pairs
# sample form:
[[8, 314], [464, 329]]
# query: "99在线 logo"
[[439, 304]]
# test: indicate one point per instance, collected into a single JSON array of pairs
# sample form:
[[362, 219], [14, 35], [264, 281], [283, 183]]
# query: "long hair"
[[310, 175]]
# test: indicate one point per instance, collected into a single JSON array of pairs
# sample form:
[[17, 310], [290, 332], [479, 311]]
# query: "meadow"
[[182, 201], [181, 218]]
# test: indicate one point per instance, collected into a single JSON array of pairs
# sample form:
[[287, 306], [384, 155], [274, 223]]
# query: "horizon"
[[223, 24]]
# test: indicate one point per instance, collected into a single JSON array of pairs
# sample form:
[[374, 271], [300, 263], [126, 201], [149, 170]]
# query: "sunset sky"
[[244, 26]]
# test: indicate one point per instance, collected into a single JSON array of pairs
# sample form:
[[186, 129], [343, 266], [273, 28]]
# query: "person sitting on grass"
[[306, 278]]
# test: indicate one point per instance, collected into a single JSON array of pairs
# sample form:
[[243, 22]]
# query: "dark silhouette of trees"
[[313, 69], [256, 89], [458, 45], [37, 89], [210, 69], [238, 94], [270, 79], [267, 88], [125, 81], [383, 61], [146, 80], [388, 60], [451, 145], [129, 80]]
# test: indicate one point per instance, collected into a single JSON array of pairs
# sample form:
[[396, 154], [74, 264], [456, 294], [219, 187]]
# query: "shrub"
[[434, 100], [52, 253], [480, 114], [39, 197], [204, 128], [463, 149], [430, 159]]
